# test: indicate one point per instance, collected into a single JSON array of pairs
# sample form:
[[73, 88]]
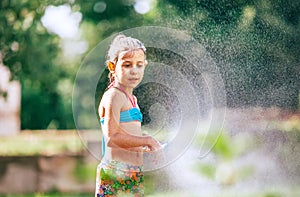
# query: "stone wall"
[[30, 174]]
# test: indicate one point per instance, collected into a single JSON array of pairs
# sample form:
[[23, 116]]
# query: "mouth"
[[133, 79]]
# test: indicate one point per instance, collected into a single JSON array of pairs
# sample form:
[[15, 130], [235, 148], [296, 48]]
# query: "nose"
[[134, 71]]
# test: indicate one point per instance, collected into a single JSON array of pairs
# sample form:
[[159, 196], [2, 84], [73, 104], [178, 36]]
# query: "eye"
[[126, 65]]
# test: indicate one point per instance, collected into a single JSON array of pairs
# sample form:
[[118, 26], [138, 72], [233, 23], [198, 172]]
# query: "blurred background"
[[256, 47]]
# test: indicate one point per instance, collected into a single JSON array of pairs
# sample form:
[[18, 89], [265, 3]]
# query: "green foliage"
[[31, 53], [255, 44], [149, 181], [207, 170], [224, 149], [224, 146]]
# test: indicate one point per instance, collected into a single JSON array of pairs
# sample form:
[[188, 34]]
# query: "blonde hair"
[[122, 43]]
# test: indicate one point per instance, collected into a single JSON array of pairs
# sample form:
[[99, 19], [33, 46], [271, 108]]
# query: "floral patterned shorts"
[[119, 179]]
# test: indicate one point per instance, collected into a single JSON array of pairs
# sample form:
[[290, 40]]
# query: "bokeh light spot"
[[142, 6]]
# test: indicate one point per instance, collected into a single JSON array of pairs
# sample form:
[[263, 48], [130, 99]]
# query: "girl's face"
[[129, 70]]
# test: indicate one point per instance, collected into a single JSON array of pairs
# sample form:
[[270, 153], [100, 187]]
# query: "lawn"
[[292, 192], [52, 194], [46, 143]]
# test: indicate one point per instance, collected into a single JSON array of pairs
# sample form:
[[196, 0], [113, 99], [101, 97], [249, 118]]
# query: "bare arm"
[[117, 136]]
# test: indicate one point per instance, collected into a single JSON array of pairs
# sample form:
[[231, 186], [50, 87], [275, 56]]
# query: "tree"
[[256, 44], [30, 53], [35, 57]]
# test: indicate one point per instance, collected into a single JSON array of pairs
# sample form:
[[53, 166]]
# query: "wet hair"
[[121, 43]]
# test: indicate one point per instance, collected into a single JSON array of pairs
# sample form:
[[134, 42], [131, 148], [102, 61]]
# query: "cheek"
[[120, 71], [142, 71]]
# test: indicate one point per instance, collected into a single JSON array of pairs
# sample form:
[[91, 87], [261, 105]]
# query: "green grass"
[[29, 143], [272, 192], [52, 194], [234, 193]]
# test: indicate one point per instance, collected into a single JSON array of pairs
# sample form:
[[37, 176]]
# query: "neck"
[[124, 88], [128, 93]]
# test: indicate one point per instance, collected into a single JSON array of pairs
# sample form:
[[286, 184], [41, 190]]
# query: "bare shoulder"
[[112, 97]]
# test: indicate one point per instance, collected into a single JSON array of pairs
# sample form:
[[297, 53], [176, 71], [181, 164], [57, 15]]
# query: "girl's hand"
[[155, 148], [152, 145]]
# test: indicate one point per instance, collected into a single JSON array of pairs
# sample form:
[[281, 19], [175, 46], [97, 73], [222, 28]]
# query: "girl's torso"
[[130, 124]]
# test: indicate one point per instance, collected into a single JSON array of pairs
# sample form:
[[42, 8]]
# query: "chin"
[[133, 85]]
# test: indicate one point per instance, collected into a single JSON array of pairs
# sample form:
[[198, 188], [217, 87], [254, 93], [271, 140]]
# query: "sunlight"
[[62, 21], [65, 23]]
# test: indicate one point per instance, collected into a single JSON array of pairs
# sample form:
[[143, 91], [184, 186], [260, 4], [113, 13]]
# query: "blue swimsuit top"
[[129, 115], [132, 114]]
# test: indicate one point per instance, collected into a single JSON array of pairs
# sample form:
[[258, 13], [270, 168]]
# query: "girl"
[[120, 170]]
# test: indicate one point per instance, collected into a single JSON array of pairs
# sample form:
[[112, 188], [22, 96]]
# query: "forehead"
[[132, 54]]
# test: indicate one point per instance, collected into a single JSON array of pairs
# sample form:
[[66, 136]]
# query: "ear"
[[111, 66], [146, 62]]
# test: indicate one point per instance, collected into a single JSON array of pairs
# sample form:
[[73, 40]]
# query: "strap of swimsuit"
[[131, 99]]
